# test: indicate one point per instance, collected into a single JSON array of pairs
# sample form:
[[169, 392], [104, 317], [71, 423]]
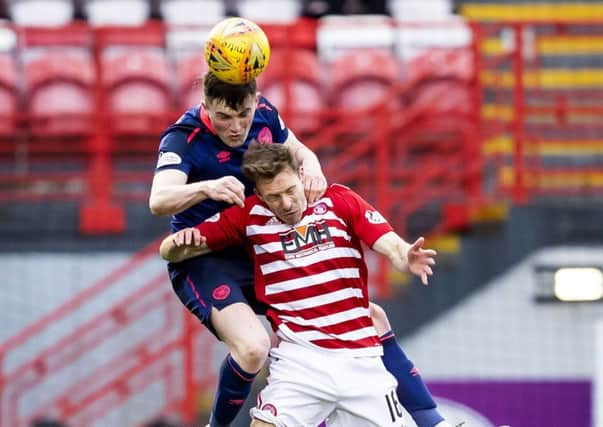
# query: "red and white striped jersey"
[[312, 274]]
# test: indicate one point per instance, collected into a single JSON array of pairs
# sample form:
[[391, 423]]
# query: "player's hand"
[[226, 189], [420, 260], [190, 237], [315, 184]]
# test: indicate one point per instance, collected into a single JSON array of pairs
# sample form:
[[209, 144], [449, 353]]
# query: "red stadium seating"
[[362, 78], [8, 95], [139, 92], [297, 74], [440, 63], [60, 92], [190, 69]]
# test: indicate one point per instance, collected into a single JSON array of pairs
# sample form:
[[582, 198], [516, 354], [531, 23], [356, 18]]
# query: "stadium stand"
[[190, 69], [60, 88], [41, 12], [138, 85], [117, 12], [485, 118], [191, 12], [8, 98], [337, 34], [282, 11], [294, 78], [362, 78]]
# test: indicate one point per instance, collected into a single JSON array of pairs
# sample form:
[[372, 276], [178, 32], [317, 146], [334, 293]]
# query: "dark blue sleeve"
[[279, 130], [174, 152]]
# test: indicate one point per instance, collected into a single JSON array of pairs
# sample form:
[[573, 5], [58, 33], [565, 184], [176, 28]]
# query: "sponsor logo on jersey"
[[374, 217], [306, 239], [221, 292], [168, 158], [223, 156]]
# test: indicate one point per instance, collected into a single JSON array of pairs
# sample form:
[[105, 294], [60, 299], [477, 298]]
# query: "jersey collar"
[[204, 117]]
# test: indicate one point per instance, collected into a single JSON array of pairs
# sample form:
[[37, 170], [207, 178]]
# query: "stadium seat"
[[301, 69], [420, 10], [362, 78], [450, 33], [269, 11], [60, 92], [440, 63], [138, 84], [117, 12], [191, 12], [337, 35], [8, 95], [190, 69], [44, 13]]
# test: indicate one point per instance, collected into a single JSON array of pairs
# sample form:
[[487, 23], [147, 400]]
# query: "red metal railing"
[[164, 352]]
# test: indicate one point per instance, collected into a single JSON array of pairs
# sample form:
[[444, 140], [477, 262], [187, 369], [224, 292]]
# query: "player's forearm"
[[172, 199], [308, 160], [173, 253], [394, 248], [303, 154]]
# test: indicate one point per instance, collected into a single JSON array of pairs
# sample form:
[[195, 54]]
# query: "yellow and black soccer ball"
[[237, 50]]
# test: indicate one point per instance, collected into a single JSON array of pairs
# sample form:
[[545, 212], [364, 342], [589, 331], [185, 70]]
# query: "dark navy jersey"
[[192, 146]]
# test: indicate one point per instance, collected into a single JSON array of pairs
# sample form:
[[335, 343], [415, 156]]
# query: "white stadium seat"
[[117, 12], [192, 12], [46, 13]]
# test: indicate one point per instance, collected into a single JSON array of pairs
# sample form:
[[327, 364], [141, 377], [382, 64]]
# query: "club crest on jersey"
[[265, 136], [374, 217], [306, 239], [269, 407], [320, 209]]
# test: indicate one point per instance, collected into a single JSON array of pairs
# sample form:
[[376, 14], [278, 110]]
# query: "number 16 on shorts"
[[396, 411]]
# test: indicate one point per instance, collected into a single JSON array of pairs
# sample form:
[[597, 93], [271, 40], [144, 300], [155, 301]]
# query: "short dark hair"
[[233, 95], [265, 161]]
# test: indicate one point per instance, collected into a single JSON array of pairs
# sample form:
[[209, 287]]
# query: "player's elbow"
[[156, 207]]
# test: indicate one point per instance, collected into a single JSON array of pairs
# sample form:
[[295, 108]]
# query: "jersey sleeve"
[[365, 221], [279, 130], [224, 229], [174, 152]]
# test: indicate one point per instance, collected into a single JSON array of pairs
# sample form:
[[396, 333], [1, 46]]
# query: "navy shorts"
[[217, 279]]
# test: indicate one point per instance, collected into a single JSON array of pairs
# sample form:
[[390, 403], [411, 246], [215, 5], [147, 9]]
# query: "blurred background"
[[478, 124]]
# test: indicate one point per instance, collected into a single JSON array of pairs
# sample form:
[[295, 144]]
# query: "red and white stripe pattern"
[[312, 275]]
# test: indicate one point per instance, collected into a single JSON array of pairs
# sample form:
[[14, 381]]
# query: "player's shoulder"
[[264, 105], [265, 110], [188, 124], [338, 190]]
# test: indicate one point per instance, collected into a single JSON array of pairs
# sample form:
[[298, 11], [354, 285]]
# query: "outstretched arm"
[[184, 244], [405, 256]]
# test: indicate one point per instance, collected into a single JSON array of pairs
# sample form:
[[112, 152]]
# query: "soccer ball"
[[237, 50]]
